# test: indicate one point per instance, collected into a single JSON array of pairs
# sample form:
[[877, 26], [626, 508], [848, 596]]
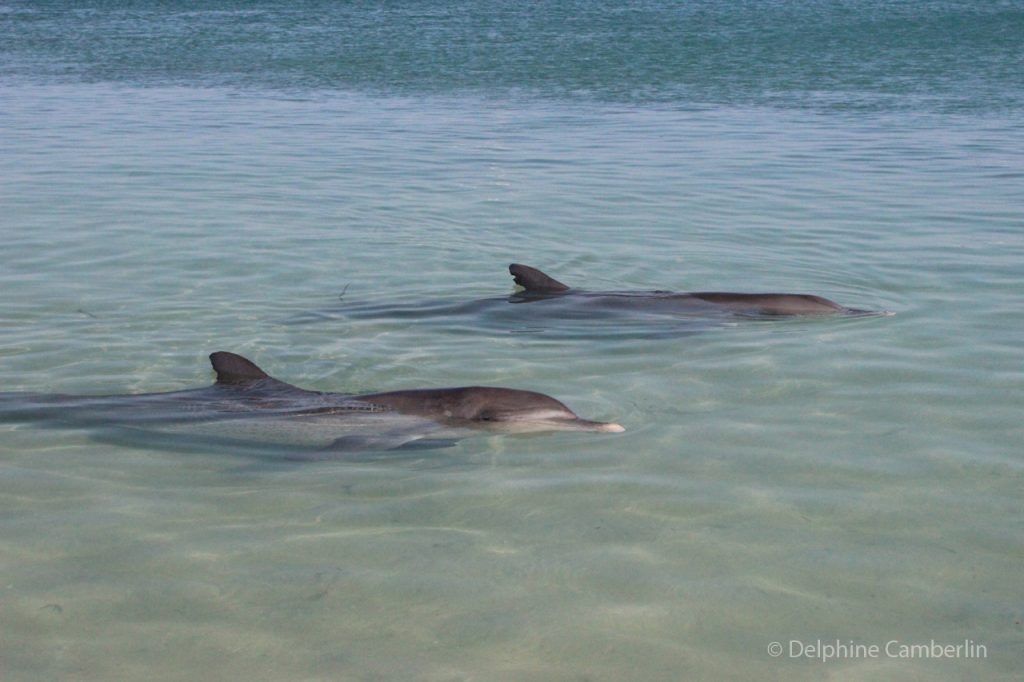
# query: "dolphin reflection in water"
[[247, 407]]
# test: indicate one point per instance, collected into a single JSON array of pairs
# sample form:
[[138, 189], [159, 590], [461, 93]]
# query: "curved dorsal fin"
[[533, 280], [234, 369]]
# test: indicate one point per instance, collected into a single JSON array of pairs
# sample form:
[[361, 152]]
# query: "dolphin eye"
[[485, 416]]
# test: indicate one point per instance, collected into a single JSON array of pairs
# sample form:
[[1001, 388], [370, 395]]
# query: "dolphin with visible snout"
[[538, 286], [543, 305], [247, 405]]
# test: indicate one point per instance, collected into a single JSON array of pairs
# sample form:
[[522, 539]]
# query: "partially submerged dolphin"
[[555, 309], [537, 286], [246, 405]]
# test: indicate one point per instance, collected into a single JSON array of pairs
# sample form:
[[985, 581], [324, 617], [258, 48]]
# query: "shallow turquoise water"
[[856, 480]]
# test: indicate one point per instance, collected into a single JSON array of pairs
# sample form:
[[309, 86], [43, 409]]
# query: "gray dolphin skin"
[[247, 407], [538, 286], [544, 306]]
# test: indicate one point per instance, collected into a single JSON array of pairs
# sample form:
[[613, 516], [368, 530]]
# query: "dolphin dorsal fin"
[[533, 280], [234, 369]]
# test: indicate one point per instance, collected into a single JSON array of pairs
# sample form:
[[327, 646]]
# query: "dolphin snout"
[[603, 427]]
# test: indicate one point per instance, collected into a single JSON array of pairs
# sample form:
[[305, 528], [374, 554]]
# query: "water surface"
[[176, 182]]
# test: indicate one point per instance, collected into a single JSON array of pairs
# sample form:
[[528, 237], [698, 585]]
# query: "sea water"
[[790, 497]]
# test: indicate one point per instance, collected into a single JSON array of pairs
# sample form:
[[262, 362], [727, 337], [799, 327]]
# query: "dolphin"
[[538, 286], [543, 305], [247, 407]]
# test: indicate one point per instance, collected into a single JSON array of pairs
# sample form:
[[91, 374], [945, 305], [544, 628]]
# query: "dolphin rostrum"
[[247, 405], [538, 286]]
